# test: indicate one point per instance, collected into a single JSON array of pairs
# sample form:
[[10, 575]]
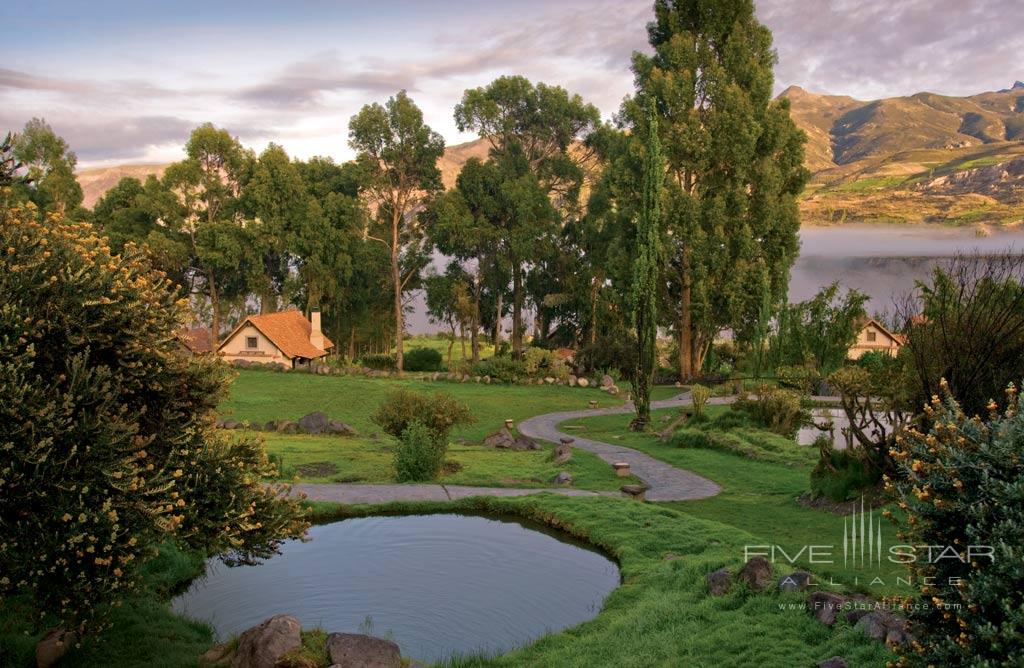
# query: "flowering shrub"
[[107, 445], [961, 486]]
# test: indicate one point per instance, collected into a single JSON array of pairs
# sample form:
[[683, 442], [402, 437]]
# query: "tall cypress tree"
[[646, 272]]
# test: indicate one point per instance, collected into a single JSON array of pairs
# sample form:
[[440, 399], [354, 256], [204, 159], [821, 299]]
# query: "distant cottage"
[[197, 340], [286, 338], [875, 337]]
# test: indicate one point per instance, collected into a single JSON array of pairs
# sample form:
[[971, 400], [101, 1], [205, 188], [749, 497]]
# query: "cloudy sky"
[[126, 81]]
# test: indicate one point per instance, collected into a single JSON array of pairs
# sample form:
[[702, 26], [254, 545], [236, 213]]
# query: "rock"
[[503, 438], [583, 382], [853, 616], [550, 380], [833, 662], [679, 385], [262, 645], [874, 625], [719, 582], [613, 390], [825, 606], [353, 650], [218, 656], [53, 646], [270, 426], [573, 380], [757, 573], [795, 581], [487, 380], [339, 427], [563, 478], [287, 427], [229, 424], [563, 451], [607, 381], [638, 492], [314, 423]]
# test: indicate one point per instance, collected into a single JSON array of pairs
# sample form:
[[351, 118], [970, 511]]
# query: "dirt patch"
[[451, 467], [316, 469]]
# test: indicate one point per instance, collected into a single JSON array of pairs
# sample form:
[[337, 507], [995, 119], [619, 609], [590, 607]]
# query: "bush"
[[840, 475], [700, 396], [617, 353], [960, 485], [438, 413], [774, 409], [107, 439], [419, 455], [803, 379], [379, 362], [539, 362], [505, 369], [422, 359]]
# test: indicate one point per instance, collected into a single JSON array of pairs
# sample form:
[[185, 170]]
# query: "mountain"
[[919, 158]]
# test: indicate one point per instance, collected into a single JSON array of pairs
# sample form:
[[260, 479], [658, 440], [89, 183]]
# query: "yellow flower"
[[66, 517]]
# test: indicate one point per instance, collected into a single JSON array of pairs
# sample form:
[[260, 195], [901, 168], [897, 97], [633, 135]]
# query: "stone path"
[[667, 483]]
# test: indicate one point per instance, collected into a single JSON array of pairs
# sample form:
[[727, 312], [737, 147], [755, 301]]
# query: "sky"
[[125, 82]]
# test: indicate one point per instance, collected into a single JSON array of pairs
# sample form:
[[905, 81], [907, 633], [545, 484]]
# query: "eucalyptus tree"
[[735, 167], [207, 185], [397, 154], [49, 169], [531, 129]]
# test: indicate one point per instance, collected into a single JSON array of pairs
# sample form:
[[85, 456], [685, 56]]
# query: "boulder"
[[354, 650], [613, 390], [218, 656], [719, 582], [270, 426], [757, 573], [287, 427], [884, 627], [53, 646], [550, 380], [314, 423], [487, 380], [229, 424], [582, 382], [262, 645], [825, 606], [795, 581], [833, 662], [504, 438], [573, 380], [637, 492], [607, 381], [563, 451], [563, 478], [853, 616], [340, 428]]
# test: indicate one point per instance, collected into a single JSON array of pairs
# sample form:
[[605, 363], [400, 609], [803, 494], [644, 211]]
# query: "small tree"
[[407, 415], [960, 485], [107, 445]]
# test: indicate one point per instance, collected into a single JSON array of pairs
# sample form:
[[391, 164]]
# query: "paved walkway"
[[667, 483]]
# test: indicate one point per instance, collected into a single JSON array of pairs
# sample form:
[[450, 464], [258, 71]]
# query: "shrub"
[[422, 359], [800, 378], [438, 413], [960, 485], [419, 454], [840, 475], [610, 352], [505, 369], [775, 409], [379, 362], [541, 362], [700, 396], [107, 439]]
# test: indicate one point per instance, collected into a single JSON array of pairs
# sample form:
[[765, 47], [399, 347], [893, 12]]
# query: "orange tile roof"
[[197, 339], [289, 331]]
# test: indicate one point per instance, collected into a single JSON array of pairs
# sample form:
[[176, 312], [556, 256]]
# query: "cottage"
[[873, 336], [197, 340], [286, 338]]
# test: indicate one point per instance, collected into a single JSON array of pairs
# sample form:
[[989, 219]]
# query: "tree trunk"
[[474, 322], [496, 337], [396, 277], [462, 339], [517, 312], [215, 309], [451, 344], [352, 344], [594, 291], [686, 368]]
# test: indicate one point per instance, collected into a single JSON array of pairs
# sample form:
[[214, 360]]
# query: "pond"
[[438, 585]]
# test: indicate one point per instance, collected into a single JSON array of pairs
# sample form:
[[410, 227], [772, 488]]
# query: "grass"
[[261, 396], [440, 342], [366, 460], [758, 497], [144, 633], [662, 614]]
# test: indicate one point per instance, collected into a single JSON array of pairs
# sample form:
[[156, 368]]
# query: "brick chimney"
[[316, 336]]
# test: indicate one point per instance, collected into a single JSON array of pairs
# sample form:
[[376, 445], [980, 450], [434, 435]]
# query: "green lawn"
[[263, 396], [758, 497]]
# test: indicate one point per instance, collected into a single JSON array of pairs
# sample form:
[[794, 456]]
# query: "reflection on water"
[[435, 584]]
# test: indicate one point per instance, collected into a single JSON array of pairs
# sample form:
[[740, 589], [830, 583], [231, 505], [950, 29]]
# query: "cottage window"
[[251, 343], [872, 335]]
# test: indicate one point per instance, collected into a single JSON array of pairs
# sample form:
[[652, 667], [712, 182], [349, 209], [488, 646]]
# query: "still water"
[[437, 585]]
